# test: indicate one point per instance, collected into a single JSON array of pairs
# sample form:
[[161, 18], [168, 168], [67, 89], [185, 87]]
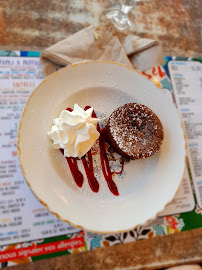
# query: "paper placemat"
[[28, 232]]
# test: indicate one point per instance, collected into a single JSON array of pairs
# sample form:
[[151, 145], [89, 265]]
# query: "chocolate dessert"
[[134, 131]]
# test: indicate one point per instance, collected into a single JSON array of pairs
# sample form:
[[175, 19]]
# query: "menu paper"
[[22, 216], [28, 232], [183, 200], [186, 77]]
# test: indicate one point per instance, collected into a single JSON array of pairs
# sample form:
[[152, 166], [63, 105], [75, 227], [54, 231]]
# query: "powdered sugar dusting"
[[135, 130]]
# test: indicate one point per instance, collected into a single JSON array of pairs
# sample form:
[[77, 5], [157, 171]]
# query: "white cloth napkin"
[[102, 42]]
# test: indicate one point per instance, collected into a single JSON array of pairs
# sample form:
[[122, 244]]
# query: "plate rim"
[[44, 203]]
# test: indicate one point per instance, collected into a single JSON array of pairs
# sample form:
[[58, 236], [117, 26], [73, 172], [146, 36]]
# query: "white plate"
[[148, 185]]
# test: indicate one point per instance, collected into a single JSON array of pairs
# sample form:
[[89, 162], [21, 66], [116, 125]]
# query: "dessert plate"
[[145, 186]]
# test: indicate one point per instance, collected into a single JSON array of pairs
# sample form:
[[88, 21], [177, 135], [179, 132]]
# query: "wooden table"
[[35, 25], [156, 253]]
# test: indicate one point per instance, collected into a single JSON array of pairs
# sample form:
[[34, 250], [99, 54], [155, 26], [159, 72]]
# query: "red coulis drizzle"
[[105, 163], [88, 166], [93, 183], [122, 167], [103, 156], [77, 175]]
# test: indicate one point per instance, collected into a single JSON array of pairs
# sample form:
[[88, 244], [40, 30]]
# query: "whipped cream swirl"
[[75, 132]]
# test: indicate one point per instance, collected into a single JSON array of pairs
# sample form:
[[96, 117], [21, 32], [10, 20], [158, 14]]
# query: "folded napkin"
[[102, 42]]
